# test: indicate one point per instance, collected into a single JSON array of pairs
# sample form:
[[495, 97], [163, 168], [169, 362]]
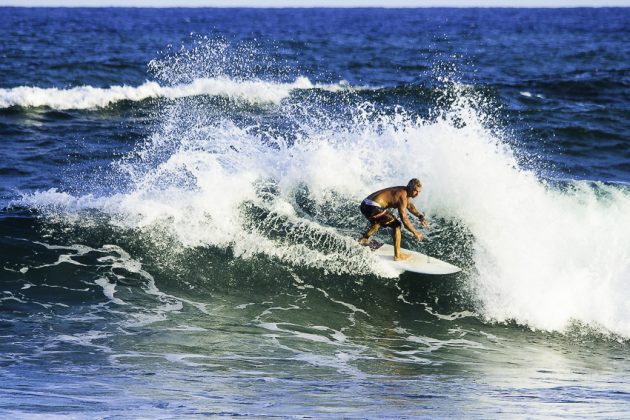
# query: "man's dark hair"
[[412, 184]]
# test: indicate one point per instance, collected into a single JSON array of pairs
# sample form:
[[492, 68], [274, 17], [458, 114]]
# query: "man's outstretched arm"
[[405, 219], [412, 209]]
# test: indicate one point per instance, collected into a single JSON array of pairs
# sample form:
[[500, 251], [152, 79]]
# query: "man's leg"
[[365, 239], [398, 255]]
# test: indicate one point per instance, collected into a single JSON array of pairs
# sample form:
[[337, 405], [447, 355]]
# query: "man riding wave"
[[374, 208]]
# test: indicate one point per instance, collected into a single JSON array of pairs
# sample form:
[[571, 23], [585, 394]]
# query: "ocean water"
[[179, 196]]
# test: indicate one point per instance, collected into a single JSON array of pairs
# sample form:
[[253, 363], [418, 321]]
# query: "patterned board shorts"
[[379, 215]]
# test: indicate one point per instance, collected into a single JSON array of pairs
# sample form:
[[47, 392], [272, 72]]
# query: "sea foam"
[[89, 97], [543, 255]]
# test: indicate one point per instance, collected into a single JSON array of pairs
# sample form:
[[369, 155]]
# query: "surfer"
[[374, 208]]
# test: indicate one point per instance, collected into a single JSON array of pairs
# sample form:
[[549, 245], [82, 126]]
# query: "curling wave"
[[543, 255]]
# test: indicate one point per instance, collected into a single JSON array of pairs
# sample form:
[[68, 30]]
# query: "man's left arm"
[[412, 209]]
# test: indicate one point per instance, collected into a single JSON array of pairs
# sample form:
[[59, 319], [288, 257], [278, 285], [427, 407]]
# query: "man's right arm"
[[402, 209]]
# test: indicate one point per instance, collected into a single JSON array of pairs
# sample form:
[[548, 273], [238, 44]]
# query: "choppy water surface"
[[179, 212]]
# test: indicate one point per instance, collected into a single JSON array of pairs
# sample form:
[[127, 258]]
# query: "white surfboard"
[[418, 263]]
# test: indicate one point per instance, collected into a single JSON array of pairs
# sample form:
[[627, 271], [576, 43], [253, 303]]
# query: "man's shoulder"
[[398, 189], [401, 190], [399, 195]]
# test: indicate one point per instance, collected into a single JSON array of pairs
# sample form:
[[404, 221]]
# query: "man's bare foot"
[[402, 256], [364, 241]]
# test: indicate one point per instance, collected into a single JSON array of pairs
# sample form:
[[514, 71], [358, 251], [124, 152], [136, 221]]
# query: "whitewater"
[[89, 97], [546, 254]]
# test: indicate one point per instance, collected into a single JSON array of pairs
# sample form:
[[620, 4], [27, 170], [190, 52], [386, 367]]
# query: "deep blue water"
[[179, 193]]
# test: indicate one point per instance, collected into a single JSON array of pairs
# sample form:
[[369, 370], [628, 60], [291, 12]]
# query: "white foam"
[[337, 337], [345, 352], [108, 290], [86, 339], [529, 95], [185, 359], [543, 256], [88, 97], [11, 297]]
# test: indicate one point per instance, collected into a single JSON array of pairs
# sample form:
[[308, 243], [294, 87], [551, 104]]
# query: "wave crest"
[[89, 97]]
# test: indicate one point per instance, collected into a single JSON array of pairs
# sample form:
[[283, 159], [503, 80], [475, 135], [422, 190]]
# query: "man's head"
[[414, 186]]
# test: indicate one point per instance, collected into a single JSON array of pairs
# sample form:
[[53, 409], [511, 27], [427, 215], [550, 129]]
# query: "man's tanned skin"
[[397, 198]]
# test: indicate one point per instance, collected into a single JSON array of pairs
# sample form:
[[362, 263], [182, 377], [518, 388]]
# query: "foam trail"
[[88, 97]]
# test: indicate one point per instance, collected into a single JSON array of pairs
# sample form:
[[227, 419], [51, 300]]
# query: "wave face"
[[541, 253]]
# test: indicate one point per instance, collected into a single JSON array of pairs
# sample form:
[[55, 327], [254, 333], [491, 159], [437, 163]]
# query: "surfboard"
[[418, 263]]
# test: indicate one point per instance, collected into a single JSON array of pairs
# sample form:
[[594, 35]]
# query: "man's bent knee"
[[394, 224]]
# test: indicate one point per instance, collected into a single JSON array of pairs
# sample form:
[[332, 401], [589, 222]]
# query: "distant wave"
[[88, 97]]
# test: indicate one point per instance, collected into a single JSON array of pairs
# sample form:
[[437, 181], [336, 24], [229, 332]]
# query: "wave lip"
[[89, 97]]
